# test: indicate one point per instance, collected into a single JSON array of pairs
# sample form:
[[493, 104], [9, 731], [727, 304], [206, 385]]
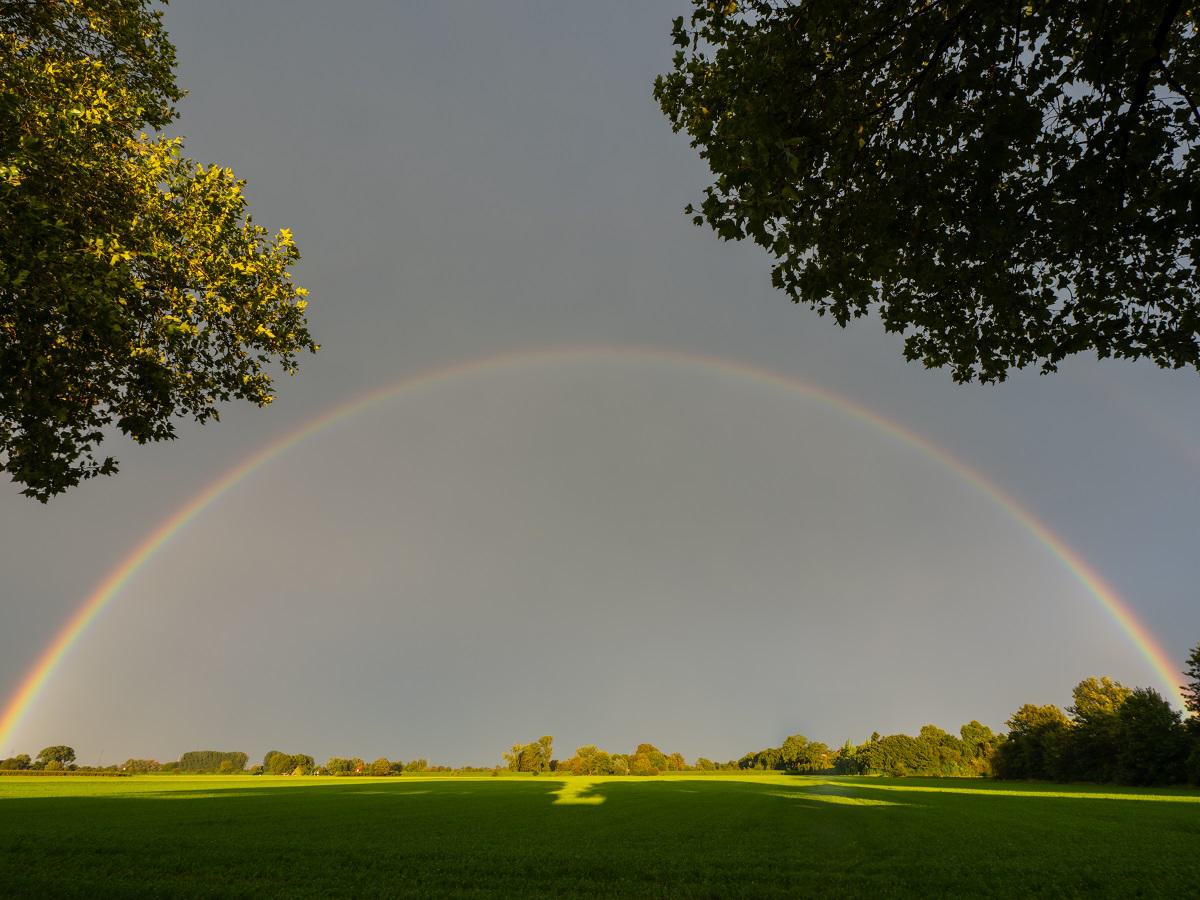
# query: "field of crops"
[[686, 836]]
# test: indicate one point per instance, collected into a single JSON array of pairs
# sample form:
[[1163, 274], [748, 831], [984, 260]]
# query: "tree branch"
[[1179, 89], [1142, 87]]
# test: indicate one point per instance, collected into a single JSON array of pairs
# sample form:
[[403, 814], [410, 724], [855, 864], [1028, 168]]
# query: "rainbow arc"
[[32, 684]]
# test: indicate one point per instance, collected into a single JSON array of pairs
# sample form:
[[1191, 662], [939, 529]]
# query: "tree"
[[802, 755], [1036, 735], [381, 766], [532, 757], [278, 763], [1090, 752], [212, 761], [642, 764], [134, 289], [980, 744], [16, 763], [792, 750], [1097, 700], [60, 753], [1191, 690], [1005, 184], [895, 754], [846, 762], [141, 766], [1153, 746], [588, 760]]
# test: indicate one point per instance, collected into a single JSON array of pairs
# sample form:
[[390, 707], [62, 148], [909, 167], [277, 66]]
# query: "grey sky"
[[609, 551]]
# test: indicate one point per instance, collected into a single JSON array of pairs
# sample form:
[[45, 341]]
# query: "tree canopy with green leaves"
[[1004, 184], [134, 288]]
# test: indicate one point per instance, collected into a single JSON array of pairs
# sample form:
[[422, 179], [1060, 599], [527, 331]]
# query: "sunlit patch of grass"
[[836, 799], [1169, 796], [577, 792]]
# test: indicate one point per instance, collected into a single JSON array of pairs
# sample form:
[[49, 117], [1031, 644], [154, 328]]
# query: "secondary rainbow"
[[36, 678]]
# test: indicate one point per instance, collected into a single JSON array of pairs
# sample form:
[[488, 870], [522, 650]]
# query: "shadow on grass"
[[595, 836]]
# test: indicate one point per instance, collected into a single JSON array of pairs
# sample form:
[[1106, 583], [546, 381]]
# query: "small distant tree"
[[533, 757], [545, 751], [275, 762], [793, 750], [17, 763], [846, 762], [417, 765], [278, 763], [895, 754], [642, 764], [59, 753], [657, 758], [800, 754], [705, 765], [381, 766], [212, 761], [140, 766]]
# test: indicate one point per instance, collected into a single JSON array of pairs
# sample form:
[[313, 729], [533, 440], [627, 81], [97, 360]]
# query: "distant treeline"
[[60, 760], [1109, 734]]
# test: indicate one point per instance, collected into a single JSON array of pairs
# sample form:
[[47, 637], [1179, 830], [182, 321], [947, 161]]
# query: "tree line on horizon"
[[1109, 734]]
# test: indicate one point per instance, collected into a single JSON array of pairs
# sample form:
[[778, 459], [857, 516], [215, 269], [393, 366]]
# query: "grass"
[[769, 835]]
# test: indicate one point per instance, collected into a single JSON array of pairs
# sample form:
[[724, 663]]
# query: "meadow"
[[760, 835]]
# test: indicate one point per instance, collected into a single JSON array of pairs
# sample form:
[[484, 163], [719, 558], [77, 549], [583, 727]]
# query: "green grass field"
[[686, 836]]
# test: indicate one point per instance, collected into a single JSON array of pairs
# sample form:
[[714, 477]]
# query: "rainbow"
[[36, 678]]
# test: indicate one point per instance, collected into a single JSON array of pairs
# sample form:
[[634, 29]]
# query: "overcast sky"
[[606, 548]]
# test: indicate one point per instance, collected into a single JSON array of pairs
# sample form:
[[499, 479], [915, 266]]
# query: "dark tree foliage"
[[279, 763], [1115, 734], [1034, 749], [933, 752], [1005, 184], [211, 760], [1089, 750], [1191, 690], [1154, 747]]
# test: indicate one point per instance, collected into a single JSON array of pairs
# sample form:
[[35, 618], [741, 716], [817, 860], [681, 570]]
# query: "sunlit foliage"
[[134, 288]]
